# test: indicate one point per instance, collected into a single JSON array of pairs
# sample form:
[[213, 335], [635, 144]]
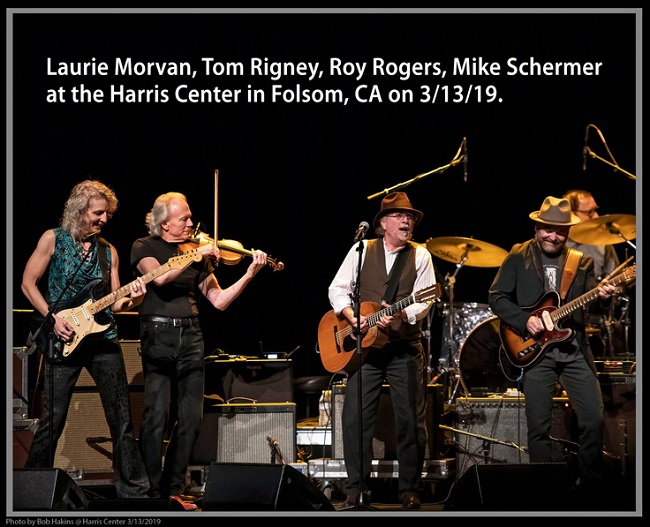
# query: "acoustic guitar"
[[337, 340]]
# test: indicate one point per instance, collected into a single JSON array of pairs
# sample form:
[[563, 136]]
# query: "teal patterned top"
[[88, 282]]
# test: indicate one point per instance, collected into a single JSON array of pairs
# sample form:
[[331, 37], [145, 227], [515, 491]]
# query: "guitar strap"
[[569, 273], [102, 244], [398, 266]]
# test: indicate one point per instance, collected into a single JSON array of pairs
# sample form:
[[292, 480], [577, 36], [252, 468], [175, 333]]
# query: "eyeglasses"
[[401, 216]]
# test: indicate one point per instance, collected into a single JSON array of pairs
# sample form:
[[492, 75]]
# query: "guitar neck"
[[565, 310], [390, 310], [123, 291]]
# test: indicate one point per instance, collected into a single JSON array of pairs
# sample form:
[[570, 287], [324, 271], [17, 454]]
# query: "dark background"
[[294, 178]]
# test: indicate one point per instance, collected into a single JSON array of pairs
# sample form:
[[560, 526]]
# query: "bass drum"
[[481, 367]]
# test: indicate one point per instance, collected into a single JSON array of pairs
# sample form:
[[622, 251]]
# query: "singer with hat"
[[401, 361], [528, 273]]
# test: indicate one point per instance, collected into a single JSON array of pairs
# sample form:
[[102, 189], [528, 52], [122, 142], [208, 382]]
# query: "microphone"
[[361, 231], [585, 150], [464, 159], [272, 441]]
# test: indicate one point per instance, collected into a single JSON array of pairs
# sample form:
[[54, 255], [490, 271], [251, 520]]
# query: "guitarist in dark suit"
[[74, 255], [401, 362], [530, 271]]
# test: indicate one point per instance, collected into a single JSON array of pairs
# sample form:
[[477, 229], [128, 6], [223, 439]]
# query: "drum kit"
[[470, 342], [461, 318]]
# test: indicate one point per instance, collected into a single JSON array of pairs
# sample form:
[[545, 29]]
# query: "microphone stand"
[[587, 150], [32, 340], [356, 301], [451, 280], [458, 158]]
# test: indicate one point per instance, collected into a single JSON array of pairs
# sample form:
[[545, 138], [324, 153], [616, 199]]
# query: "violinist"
[[172, 342]]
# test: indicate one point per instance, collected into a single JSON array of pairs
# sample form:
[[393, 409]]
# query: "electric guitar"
[[523, 351], [82, 318], [337, 341]]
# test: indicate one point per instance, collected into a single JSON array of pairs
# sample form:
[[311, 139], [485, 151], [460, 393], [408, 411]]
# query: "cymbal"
[[477, 253], [605, 230]]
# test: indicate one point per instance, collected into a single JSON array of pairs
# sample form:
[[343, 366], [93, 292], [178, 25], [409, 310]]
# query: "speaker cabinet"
[[516, 487], [245, 432], [86, 440], [619, 431], [132, 361], [21, 388], [384, 442], [490, 429], [47, 490], [261, 487]]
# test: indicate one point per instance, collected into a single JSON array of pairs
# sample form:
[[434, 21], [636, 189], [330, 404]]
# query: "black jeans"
[[401, 365], [103, 360], [583, 389], [172, 360]]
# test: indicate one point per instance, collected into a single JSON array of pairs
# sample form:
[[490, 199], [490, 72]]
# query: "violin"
[[231, 251]]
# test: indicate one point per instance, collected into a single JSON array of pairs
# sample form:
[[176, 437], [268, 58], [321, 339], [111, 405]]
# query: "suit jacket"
[[519, 285]]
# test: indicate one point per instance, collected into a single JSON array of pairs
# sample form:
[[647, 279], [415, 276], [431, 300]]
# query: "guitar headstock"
[[184, 259], [630, 273], [429, 294]]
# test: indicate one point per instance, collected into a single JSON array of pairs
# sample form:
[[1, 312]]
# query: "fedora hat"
[[396, 202], [555, 211]]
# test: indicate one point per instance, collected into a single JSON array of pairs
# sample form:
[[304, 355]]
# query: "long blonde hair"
[[79, 201]]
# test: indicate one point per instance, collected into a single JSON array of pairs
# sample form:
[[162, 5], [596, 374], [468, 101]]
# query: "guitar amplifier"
[[489, 430], [132, 360], [245, 432]]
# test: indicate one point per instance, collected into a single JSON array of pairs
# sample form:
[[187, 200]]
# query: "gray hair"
[[160, 211], [79, 201]]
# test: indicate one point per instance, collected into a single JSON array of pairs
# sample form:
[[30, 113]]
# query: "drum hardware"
[[460, 251]]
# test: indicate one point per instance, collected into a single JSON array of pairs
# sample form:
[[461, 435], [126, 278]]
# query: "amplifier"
[[21, 388], [245, 432], [86, 440], [132, 360], [489, 430], [384, 442]]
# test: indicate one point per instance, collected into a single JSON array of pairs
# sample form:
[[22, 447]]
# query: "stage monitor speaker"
[[47, 490], [527, 487], [86, 440], [384, 442], [243, 432], [132, 361], [504, 420], [261, 487]]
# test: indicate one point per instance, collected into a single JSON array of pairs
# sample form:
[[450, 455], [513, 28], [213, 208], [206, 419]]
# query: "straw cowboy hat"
[[555, 211], [396, 202]]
